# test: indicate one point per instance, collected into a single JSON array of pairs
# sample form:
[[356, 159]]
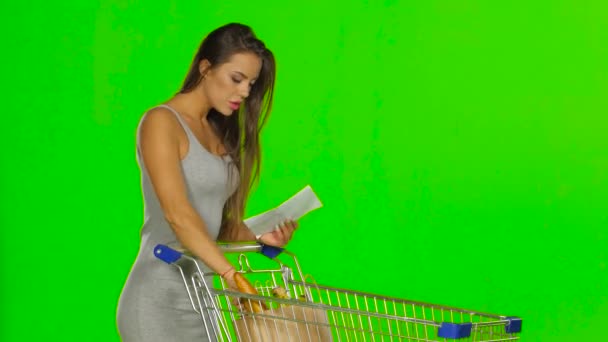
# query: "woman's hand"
[[231, 285], [281, 235], [237, 282], [229, 278]]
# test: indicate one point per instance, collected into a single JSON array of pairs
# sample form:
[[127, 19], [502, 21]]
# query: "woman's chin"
[[226, 111]]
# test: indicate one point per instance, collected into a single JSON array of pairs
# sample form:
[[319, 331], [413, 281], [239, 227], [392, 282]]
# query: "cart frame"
[[312, 312]]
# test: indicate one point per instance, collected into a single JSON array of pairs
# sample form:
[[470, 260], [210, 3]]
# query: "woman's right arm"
[[159, 147]]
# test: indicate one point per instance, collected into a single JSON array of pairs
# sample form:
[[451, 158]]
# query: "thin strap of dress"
[[179, 118]]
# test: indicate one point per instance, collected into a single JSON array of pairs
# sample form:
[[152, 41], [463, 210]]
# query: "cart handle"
[[170, 255], [267, 250]]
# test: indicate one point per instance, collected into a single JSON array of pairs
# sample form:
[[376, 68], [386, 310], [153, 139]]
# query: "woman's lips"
[[234, 105]]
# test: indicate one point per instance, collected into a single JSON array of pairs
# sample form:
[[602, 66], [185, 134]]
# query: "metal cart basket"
[[296, 308]]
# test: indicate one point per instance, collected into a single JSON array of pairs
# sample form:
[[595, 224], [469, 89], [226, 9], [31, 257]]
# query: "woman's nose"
[[244, 91]]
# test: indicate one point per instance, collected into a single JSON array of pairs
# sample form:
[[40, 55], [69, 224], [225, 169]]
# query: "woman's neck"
[[192, 104]]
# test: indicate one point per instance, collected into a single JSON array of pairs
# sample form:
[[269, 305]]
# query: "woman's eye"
[[235, 80]]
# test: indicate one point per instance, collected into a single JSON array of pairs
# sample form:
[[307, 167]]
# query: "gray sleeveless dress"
[[154, 305]]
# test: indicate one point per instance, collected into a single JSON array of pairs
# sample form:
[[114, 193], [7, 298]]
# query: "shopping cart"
[[296, 308]]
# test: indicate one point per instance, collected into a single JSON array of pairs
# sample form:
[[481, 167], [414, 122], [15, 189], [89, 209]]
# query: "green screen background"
[[459, 148]]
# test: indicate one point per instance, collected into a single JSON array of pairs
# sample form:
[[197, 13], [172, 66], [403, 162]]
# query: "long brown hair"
[[240, 132]]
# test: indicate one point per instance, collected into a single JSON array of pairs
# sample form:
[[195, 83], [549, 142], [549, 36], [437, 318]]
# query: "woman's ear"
[[203, 67]]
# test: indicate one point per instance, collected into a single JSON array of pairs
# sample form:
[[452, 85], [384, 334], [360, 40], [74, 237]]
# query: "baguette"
[[280, 292], [245, 286]]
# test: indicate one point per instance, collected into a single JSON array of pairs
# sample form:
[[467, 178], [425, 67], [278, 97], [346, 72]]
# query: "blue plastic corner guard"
[[271, 251], [514, 325], [455, 330], [166, 254]]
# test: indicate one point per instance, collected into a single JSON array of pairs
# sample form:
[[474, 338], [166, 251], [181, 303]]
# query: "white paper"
[[294, 208]]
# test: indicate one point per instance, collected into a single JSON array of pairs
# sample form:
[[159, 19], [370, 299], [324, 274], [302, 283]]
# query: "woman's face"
[[227, 85]]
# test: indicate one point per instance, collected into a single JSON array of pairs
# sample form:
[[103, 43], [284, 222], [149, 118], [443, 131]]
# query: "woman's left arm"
[[279, 237]]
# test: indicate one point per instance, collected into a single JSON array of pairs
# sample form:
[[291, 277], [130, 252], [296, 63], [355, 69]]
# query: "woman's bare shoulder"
[[158, 116]]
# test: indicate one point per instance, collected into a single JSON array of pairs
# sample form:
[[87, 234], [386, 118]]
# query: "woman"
[[199, 153]]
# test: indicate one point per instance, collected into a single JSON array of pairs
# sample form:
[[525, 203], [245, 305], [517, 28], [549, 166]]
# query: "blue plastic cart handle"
[[166, 254], [271, 251], [170, 255]]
